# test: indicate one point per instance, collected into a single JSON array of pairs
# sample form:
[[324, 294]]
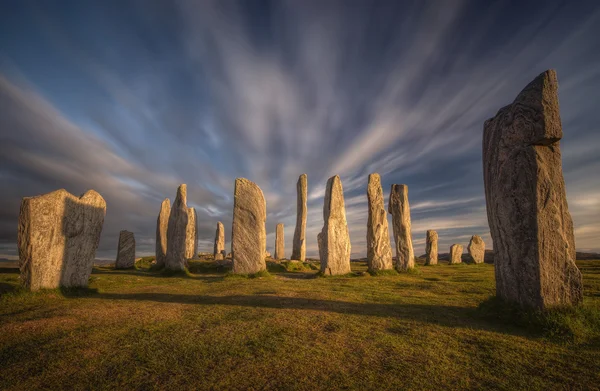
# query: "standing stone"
[[224, 254], [177, 232], [400, 211], [528, 215], [431, 248], [279, 243], [379, 250], [476, 248], [219, 249], [334, 239], [267, 254], [299, 245], [126, 251], [162, 224], [248, 234], [455, 255], [191, 235], [57, 239]]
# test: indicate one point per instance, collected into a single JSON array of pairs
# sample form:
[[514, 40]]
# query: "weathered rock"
[[248, 235], [224, 254], [126, 251], [191, 234], [57, 238], [334, 239], [177, 232], [379, 250], [267, 254], [219, 249], [279, 243], [530, 223], [162, 225], [455, 255], [476, 249], [299, 245], [400, 211], [431, 248]]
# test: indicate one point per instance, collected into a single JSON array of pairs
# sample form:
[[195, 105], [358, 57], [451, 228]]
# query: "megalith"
[[379, 250], [334, 239], [126, 251], [476, 249], [248, 234], [162, 224], [58, 235], [279, 243], [177, 231], [299, 243], [455, 255], [400, 210], [528, 215], [191, 234], [219, 248], [431, 248]]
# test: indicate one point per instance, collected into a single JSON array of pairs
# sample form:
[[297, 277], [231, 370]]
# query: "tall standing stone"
[[279, 243], [400, 211], [126, 251], [299, 245], [219, 248], [476, 249], [248, 234], [379, 250], [57, 238], [162, 225], [191, 234], [455, 255], [334, 239], [528, 215], [177, 232], [431, 248]]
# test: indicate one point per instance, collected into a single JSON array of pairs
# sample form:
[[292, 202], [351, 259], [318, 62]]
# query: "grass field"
[[425, 330]]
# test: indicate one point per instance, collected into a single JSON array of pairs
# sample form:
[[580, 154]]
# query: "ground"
[[137, 329]]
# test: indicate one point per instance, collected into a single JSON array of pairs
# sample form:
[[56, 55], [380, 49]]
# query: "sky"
[[133, 97]]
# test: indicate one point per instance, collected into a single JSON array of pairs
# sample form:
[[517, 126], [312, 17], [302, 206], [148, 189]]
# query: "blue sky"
[[132, 98]]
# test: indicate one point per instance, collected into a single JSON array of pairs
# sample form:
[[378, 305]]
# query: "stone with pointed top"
[[299, 244], [177, 232], [476, 249]]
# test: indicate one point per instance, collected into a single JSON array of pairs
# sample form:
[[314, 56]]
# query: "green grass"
[[439, 328]]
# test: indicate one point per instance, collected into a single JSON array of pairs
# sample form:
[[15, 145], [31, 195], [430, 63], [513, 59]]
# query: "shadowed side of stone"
[[334, 239], [248, 233], [177, 232], [530, 223], [162, 225], [299, 243], [126, 251]]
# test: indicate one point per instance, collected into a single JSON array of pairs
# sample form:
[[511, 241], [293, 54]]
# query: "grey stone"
[[219, 248], [58, 235], [334, 239], [191, 235], [431, 248], [248, 235], [126, 251], [476, 249], [279, 243], [455, 255], [400, 210], [528, 215], [177, 232], [162, 225], [299, 244], [379, 250]]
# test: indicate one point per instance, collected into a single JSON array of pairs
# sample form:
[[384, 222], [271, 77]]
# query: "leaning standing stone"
[[57, 238], [177, 232], [379, 250], [400, 211], [126, 251], [455, 255], [334, 239], [530, 223], [431, 248], [299, 245], [191, 235], [279, 243], [476, 249], [248, 235], [219, 248]]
